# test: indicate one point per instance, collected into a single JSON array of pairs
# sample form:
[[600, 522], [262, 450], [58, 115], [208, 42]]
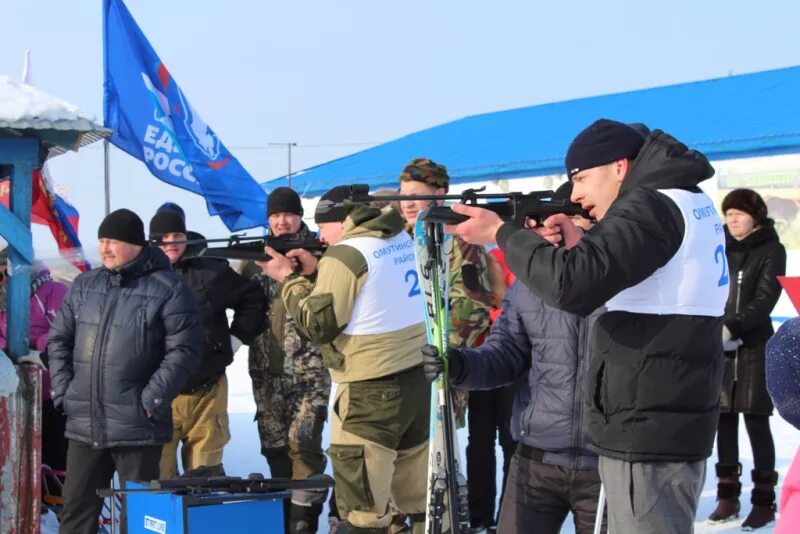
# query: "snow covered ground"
[[242, 455]]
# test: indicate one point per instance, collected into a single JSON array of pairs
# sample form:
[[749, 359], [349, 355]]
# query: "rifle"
[[239, 247], [254, 483], [536, 205]]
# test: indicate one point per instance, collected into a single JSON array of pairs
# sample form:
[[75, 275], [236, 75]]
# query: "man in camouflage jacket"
[[363, 311], [291, 387]]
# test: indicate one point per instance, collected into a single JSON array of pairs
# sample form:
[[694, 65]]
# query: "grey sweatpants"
[[644, 497]]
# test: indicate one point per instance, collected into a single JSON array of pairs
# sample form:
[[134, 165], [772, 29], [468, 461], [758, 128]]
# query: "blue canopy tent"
[[738, 116]]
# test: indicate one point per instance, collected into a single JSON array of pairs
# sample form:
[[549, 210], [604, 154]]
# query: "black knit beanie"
[[602, 142], [334, 205], [748, 201], [122, 225], [564, 192], [166, 222], [284, 200], [171, 206]]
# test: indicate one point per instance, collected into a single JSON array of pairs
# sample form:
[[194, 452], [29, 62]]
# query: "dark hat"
[[334, 205], [602, 142], [171, 206], [564, 192], [426, 171], [380, 204], [122, 225], [640, 127], [166, 222], [748, 201], [284, 200]]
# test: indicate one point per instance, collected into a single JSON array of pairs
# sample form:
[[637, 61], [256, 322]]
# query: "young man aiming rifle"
[[656, 260]]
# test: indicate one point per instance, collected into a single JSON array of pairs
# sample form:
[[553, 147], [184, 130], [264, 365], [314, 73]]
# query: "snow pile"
[[8, 376], [23, 106]]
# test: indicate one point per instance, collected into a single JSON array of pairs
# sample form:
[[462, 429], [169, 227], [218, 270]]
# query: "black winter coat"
[[124, 344], [654, 380], [218, 288], [755, 263], [550, 348]]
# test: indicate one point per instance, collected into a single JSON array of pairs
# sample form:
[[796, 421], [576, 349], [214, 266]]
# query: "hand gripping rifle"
[[240, 247], [517, 208]]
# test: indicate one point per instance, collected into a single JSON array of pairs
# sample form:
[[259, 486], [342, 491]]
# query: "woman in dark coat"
[[755, 259]]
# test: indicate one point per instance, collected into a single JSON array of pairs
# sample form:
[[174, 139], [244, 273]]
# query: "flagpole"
[[107, 176], [289, 147]]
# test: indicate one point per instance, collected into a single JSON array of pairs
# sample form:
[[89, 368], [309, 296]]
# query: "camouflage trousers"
[[291, 412]]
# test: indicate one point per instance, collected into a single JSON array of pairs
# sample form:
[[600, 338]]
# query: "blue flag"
[[155, 123]]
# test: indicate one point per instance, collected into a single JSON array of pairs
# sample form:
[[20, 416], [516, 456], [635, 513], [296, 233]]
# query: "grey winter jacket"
[[550, 348], [123, 345]]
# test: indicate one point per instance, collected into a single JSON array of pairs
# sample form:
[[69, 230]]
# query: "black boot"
[[399, 525], [728, 490], [763, 499], [304, 519], [280, 466]]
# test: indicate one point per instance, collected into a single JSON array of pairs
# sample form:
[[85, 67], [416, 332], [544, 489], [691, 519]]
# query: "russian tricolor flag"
[[48, 208]]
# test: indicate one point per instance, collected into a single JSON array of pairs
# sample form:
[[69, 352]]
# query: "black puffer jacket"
[[654, 380], [124, 343], [755, 263], [218, 288]]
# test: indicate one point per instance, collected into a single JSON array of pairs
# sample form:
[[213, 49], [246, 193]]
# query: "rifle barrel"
[[232, 239], [360, 193]]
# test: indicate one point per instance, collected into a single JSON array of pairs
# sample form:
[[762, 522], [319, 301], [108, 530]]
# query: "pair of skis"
[[447, 487]]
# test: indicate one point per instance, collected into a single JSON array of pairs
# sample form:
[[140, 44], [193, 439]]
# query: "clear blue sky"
[[338, 73]]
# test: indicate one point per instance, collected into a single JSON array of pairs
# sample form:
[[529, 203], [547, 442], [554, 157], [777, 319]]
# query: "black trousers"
[[539, 496], [489, 415], [89, 470], [760, 440]]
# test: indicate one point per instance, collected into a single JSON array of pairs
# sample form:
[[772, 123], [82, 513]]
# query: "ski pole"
[[113, 507], [601, 505]]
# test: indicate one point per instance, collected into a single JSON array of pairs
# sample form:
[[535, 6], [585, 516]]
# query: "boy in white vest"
[[656, 259], [365, 311]]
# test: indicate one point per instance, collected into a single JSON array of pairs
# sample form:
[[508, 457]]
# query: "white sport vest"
[[695, 281], [390, 299]]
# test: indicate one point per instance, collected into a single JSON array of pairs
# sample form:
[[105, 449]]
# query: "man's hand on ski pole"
[[433, 365], [480, 229]]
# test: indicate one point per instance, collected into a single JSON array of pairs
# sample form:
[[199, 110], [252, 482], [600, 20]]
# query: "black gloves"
[[433, 365]]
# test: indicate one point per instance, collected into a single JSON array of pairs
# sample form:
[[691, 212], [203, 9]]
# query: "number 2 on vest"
[[719, 257], [413, 277]]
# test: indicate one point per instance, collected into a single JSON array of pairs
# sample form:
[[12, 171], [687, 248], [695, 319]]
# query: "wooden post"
[[20, 413]]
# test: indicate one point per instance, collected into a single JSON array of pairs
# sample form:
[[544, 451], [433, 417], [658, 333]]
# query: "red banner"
[[792, 286]]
